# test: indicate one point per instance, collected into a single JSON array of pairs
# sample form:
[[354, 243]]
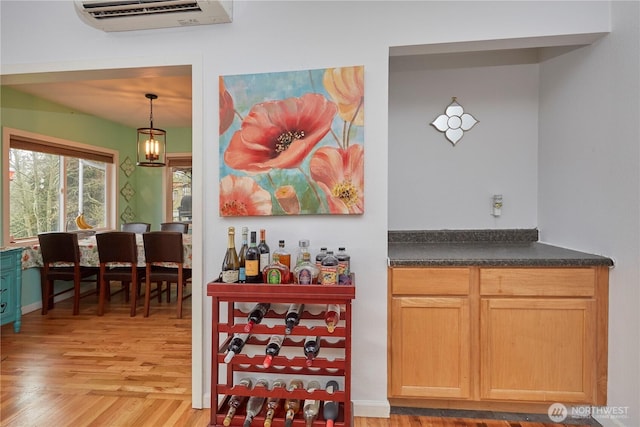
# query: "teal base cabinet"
[[11, 287]]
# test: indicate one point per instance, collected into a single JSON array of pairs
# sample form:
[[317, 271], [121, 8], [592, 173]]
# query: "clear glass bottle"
[[330, 408], [306, 272], [235, 401], [254, 404], [329, 270], [332, 317], [231, 263], [311, 407], [256, 315], [311, 349], [292, 405], [276, 272], [284, 256], [263, 248], [272, 349], [292, 318], [303, 247], [344, 266], [242, 276], [235, 346], [252, 262], [273, 403]]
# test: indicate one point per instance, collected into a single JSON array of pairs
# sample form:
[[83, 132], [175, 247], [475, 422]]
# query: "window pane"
[[181, 193], [86, 183]]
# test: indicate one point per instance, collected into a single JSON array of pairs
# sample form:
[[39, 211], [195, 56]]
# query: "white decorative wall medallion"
[[454, 122]]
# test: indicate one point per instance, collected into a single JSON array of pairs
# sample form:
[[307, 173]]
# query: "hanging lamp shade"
[[152, 142]]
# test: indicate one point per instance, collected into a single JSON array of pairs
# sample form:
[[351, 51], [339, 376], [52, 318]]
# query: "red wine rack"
[[224, 294]]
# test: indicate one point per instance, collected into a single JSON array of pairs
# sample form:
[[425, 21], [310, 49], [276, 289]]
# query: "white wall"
[[39, 36]]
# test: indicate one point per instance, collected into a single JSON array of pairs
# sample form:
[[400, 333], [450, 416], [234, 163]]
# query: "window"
[[178, 187], [50, 181]]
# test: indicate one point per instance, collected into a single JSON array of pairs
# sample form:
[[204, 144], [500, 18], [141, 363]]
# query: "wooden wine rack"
[[223, 388]]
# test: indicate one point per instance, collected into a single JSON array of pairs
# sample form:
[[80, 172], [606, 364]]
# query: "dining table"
[[32, 258]]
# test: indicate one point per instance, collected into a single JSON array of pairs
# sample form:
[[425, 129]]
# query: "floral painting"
[[292, 143]]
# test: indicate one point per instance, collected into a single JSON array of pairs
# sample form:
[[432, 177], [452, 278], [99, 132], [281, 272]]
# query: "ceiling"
[[117, 95]]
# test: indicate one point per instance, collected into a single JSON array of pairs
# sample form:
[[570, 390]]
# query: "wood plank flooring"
[[117, 371]]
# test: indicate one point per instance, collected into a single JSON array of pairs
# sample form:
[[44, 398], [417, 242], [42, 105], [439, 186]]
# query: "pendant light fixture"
[[152, 142]]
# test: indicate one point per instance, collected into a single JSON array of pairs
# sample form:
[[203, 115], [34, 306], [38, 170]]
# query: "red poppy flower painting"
[[295, 139]]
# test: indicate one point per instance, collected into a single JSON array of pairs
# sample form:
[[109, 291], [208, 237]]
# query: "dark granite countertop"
[[498, 248]]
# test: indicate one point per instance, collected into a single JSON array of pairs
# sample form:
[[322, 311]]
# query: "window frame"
[[63, 147]]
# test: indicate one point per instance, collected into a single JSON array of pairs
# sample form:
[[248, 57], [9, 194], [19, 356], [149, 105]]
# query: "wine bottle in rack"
[[332, 317], [242, 274], [256, 315], [263, 248], [272, 349], [254, 404], [330, 408], [252, 261], [311, 349], [235, 401], [235, 346], [292, 405], [273, 403], [311, 407], [292, 317], [231, 264]]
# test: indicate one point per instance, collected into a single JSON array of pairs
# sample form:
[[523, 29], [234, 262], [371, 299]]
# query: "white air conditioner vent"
[[124, 15]]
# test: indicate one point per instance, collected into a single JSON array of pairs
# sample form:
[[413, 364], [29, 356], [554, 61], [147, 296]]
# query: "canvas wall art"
[[292, 143]]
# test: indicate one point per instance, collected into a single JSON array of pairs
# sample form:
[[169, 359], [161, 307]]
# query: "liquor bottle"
[[303, 247], [254, 404], [256, 315], [252, 261], [235, 346], [311, 349], [344, 267], [329, 270], [273, 403], [263, 248], [283, 255], [320, 256], [332, 317], [292, 405], [306, 272], [292, 317], [272, 349], [330, 408], [242, 276], [276, 272], [235, 401], [311, 407], [231, 264]]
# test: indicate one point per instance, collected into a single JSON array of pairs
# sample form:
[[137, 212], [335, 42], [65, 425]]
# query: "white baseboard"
[[371, 408], [36, 306]]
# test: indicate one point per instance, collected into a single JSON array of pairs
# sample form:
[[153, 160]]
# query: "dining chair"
[[118, 256], [181, 227], [164, 256], [61, 261], [136, 227]]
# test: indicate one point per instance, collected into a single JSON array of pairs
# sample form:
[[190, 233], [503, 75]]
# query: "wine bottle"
[[276, 272], [332, 316], [272, 349], [263, 248], [235, 401], [252, 261], [292, 317], [235, 346], [329, 270], [231, 264], [311, 407], [256, 315], [311, 349], [306, 272], [242, 274], [284, 256], [330, 408], [254, 404], [273, 403], [292, 405]]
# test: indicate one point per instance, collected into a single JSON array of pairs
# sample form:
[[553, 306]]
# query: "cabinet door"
[[537, 349], [430, 340]]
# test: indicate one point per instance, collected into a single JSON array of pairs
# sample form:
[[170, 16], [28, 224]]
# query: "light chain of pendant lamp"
[[152, 142]]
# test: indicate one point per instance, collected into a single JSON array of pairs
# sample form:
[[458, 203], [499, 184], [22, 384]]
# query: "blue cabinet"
[[11, 287]]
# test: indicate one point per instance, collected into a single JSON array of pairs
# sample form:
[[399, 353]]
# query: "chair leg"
[[159, 290], [147, 297], [76, 294], [45, 295], [133, 288], [179, 286], [103, 291]]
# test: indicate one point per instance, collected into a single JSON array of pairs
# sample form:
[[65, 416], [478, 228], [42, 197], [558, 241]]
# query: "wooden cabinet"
[[512, 335], [223, 385], [11, 287]]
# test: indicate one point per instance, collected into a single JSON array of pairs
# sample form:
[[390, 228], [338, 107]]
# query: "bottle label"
[[230, 276], [328, 275], [274, 276], [277, 340], [305, 277], [242, 274], [264, 260], [251, 268], [343, 268]]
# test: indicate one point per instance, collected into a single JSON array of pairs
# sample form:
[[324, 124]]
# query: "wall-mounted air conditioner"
[[125, 15]]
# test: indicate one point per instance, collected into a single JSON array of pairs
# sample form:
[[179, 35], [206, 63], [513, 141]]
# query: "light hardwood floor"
[[117, 371]]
